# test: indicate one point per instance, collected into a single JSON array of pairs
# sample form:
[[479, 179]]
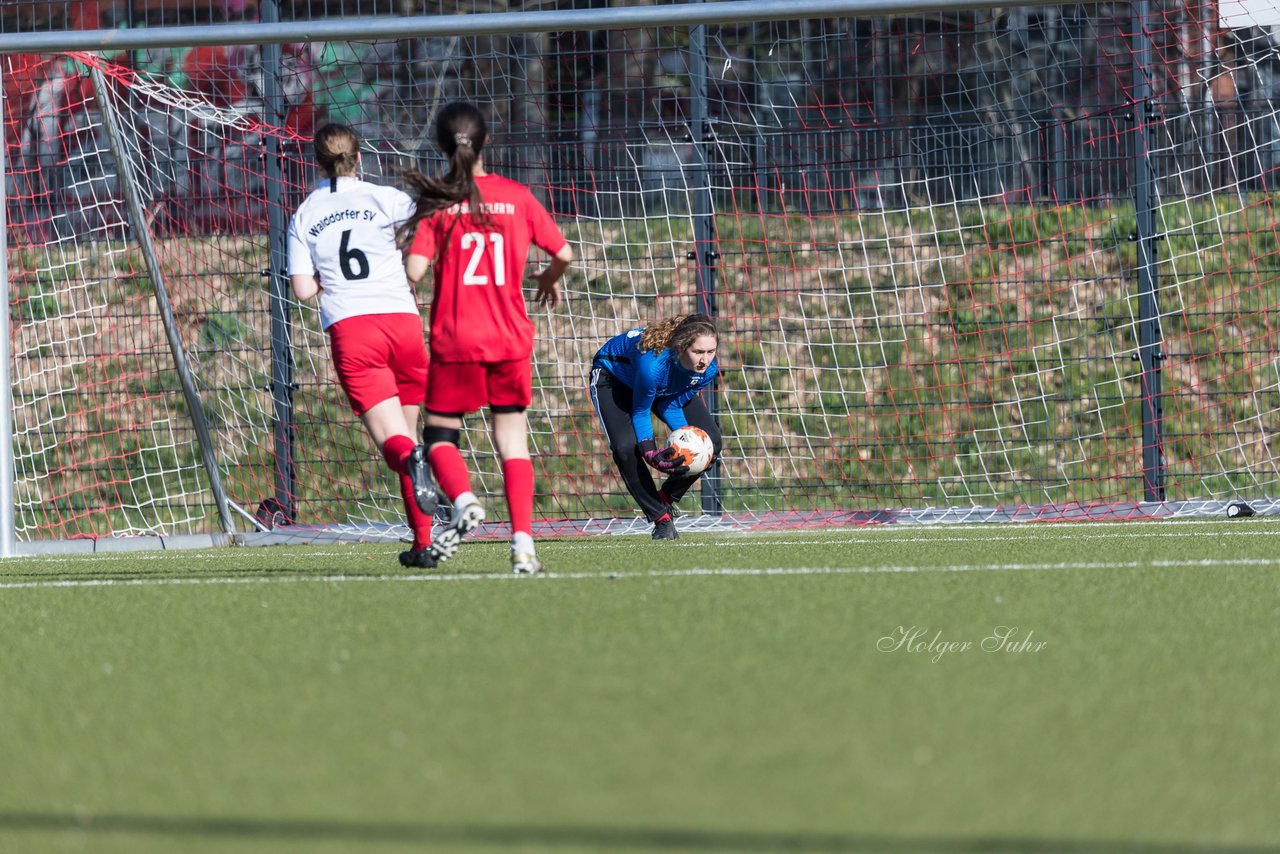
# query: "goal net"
[[978, 265]]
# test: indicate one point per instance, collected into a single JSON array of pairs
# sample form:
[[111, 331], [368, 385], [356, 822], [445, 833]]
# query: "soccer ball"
[[694, 448]]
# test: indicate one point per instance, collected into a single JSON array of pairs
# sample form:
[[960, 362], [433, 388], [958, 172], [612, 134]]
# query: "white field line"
[[887, 539], [984, 533], [692, 572]]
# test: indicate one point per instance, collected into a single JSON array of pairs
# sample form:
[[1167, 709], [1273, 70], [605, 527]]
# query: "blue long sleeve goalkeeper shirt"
[[658, 382]]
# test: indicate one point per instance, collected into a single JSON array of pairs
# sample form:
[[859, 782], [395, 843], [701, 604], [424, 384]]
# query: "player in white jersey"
[[342, 246]]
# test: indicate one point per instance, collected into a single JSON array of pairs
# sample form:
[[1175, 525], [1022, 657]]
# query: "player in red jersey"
[[342, 246], [475, 229]]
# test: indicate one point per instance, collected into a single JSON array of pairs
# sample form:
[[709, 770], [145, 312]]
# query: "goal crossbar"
[[479, 24]]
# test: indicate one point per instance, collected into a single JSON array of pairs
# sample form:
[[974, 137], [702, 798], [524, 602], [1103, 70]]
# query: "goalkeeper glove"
[[666, 460]]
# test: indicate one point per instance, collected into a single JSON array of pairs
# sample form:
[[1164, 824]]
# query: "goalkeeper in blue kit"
[[655, 370]]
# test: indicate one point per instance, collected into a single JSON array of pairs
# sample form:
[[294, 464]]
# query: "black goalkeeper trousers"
[[612, 400]]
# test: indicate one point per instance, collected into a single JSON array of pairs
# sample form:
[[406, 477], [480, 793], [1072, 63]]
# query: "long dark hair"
[[677, 333], [461, 133]]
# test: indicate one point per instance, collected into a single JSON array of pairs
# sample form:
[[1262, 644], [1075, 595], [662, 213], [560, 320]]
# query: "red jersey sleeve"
[[543, 229], [424, 239]]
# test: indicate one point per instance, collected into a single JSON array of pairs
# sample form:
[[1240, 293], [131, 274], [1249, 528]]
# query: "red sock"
[[664, 498], [517, 478], [419, 522], [450, 470], [396, 451]]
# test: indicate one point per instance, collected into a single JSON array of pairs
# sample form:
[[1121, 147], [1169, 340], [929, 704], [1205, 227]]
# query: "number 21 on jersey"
[[475, 241]]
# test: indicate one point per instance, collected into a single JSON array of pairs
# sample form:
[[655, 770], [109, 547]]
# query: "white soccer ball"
[[694, 448]]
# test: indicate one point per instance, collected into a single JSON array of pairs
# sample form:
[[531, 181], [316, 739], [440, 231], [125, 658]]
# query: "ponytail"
[[461, 133], [337, 150]]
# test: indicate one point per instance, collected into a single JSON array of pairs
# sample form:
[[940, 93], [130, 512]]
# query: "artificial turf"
[[718, 693]]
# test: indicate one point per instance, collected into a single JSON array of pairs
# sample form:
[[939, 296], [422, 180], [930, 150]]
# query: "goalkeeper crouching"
[[655, 370]]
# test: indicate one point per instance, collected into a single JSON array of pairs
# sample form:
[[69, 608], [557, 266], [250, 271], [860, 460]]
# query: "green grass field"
[[719, 693]]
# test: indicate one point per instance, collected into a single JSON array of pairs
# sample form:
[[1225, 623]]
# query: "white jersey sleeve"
[[400, 205], [345, 232], [300, 263]]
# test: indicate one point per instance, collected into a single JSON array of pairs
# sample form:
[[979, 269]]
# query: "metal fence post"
[[706, 253], [1150, 353], [278, 275]]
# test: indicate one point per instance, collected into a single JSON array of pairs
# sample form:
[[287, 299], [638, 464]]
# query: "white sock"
[[521, 542], [463, 500]]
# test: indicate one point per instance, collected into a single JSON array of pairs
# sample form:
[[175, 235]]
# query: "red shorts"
[[380, 356], [456, 387]]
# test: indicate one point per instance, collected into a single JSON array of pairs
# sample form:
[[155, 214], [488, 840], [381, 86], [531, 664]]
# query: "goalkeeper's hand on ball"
[[665, 460]]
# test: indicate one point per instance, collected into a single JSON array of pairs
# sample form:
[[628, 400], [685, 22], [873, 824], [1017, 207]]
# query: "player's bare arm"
[[415, 267], [305, 285], [548, 278]]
